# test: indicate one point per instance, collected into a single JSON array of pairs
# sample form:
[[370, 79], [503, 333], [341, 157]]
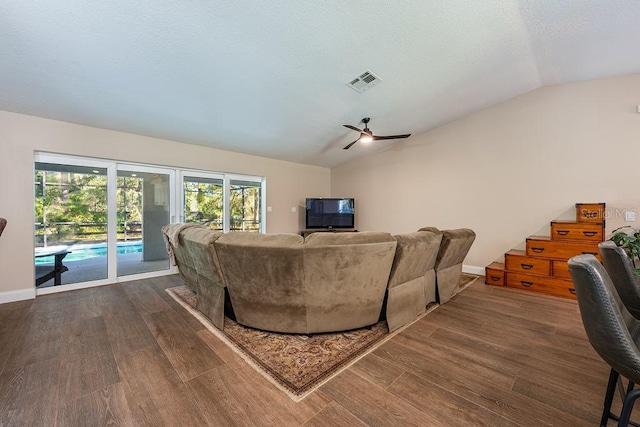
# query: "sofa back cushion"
[[454, 247], [196, 256], [346, 275], [416, 254], [264, 275]]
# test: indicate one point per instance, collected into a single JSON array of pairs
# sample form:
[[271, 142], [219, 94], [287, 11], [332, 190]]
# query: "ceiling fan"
[[367, 136]]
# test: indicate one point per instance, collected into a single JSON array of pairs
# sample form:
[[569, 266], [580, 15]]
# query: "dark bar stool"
[[612, 330]]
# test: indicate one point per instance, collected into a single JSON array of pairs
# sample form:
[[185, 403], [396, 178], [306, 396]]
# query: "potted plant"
[[629, 240]]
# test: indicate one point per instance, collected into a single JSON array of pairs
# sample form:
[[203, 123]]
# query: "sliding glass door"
[[96, 221], [144, 206], [71, 222]]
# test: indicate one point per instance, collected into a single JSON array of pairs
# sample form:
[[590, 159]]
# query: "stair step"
[[590, 212], [494, 274], [544, 247], [516, 260], [573, 230]]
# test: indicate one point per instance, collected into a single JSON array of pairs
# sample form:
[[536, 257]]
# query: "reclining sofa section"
[[326, 282], [453, 250], [198, 265], [412, 283]]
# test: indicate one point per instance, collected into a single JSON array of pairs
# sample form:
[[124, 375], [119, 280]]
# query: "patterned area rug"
[[297, 364]]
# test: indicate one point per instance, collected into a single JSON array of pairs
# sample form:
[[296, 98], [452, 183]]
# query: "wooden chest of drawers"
[[542, 267]]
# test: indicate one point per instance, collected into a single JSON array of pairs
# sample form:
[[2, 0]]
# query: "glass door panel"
[[245, 205], [203, 201], [71, 213], [143, 208]]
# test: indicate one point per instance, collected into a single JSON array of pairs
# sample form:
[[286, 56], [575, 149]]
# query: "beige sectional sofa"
[[324, 282]]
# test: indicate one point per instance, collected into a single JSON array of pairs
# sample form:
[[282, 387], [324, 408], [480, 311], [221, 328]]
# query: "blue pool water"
[[80, 252]]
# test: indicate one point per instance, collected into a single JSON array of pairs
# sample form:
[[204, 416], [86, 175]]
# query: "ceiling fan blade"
[[392, 137], [349, 146], [352, 128]]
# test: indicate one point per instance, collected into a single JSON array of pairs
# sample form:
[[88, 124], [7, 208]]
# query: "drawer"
[[519, 261], [590, 212], [494, 274], [544, 247], [560, 268], [589, 231], [545, 285]]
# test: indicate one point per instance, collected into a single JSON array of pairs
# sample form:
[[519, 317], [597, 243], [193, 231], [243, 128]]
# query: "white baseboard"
[[472, 269], [19, 295]]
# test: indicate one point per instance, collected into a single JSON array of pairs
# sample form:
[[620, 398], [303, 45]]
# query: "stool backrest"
[[623, 275]]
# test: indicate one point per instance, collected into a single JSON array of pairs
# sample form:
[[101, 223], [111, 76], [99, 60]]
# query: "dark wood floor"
[[128, 354]]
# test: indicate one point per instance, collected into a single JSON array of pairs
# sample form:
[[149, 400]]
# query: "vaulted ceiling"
[[268, 77]]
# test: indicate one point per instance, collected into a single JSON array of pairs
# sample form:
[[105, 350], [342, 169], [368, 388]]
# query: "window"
[[203, 200], [245, 204]]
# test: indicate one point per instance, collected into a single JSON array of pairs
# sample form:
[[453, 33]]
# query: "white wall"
[[20, 136], [506, 171]]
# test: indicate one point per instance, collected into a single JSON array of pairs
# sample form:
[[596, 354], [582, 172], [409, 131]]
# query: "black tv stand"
[[305, 233]]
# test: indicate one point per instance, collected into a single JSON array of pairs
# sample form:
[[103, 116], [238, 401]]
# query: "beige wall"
[[20, 136], [508, 170]]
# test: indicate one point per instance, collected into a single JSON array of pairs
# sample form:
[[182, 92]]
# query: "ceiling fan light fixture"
[[367, 136]]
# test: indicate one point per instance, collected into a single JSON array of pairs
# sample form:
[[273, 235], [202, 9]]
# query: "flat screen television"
[[330, 213]]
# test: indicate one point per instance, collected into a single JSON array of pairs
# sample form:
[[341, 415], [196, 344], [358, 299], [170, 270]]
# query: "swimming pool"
[[80, 252]]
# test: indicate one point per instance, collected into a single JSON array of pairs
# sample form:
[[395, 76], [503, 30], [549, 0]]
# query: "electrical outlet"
[[630, 216], [294, 209]]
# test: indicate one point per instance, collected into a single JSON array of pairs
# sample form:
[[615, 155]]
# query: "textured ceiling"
[[268, 77]]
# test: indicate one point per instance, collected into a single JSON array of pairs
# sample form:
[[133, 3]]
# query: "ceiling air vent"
[[364, 81]]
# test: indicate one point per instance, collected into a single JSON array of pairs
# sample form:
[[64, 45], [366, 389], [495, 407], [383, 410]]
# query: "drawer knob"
[[526, 284], [495, 278], [526, 266], [589, 233], [563, 232], [537, 250], [572, 291]]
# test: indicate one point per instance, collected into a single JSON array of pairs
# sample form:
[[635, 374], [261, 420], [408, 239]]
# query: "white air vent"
[[364, 81]]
